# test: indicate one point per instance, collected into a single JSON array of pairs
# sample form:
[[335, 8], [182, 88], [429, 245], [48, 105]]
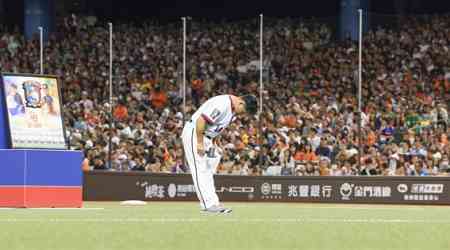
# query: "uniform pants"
[[202, 168]]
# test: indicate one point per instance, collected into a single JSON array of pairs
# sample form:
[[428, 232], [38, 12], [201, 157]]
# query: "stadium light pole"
[[110, 95], [360, 148], [261, 64], [41, 53], [184, 81], [259, 136], [184, 69]]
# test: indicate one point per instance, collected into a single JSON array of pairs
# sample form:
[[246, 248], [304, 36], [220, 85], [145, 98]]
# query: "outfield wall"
[[118, 186]]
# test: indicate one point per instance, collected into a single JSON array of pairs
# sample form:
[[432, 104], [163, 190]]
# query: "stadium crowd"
[[309, 125]]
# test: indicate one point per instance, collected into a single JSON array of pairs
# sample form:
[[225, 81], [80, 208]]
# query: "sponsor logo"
[[152, 190], [346, 191], [184, 189], [236, 190], [414, 190], [427, 188], [424, 192], [313, 191], [172, 190], [276, 188], [372, 191], [402, 188], [349, 190], [265, 188], [271, 191]]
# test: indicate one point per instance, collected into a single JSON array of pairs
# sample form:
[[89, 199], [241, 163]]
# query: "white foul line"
[[232, 220], [345, 206]]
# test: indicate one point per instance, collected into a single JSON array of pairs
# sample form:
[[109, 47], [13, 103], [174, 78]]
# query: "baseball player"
[[202, 154]]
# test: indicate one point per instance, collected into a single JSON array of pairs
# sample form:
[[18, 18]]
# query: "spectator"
[[309, 106], [158, 98], [120, 112]]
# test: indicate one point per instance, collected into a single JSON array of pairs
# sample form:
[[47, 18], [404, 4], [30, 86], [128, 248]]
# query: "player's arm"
[[200, 128]]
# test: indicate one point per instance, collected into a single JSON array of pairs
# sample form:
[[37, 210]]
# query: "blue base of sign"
[[40, 178]]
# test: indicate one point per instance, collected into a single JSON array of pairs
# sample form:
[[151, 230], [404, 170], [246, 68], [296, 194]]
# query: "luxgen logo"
[[236, 190]]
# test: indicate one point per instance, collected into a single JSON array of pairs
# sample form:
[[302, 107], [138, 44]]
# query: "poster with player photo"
[[33, 111]]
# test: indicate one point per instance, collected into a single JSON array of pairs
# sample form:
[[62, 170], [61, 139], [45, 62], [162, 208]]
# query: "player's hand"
[[200, 149], [217, 143]]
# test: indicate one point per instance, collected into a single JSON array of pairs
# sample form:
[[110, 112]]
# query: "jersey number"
[[215, 114]]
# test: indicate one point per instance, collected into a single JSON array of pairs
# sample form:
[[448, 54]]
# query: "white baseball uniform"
[[218, 114]]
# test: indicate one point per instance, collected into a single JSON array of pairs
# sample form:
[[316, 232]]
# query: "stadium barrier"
[[117, 186], [40, 178]]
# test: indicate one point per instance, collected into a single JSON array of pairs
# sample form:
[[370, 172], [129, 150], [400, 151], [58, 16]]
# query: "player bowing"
[[201, 153]]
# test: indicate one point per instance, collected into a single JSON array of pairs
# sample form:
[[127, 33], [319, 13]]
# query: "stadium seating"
[[310, 119]]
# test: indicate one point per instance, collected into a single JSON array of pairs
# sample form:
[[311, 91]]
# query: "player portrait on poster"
[[33, 111], [14, 101], [32, 91]]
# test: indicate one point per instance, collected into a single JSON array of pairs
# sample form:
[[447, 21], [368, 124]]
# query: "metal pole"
[[110, 96], [360, 60], [261, 64], [184, 82], [184, 70], [259, 135], [359, 89], [41, 45]]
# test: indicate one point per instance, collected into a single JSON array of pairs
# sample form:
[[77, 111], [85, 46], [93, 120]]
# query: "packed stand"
[[309, 123]]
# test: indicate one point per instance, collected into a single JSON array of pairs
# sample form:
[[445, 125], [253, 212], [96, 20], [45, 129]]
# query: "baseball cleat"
[[216, 209]]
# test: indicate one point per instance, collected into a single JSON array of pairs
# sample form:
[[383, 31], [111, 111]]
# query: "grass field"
[[259, 226]]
